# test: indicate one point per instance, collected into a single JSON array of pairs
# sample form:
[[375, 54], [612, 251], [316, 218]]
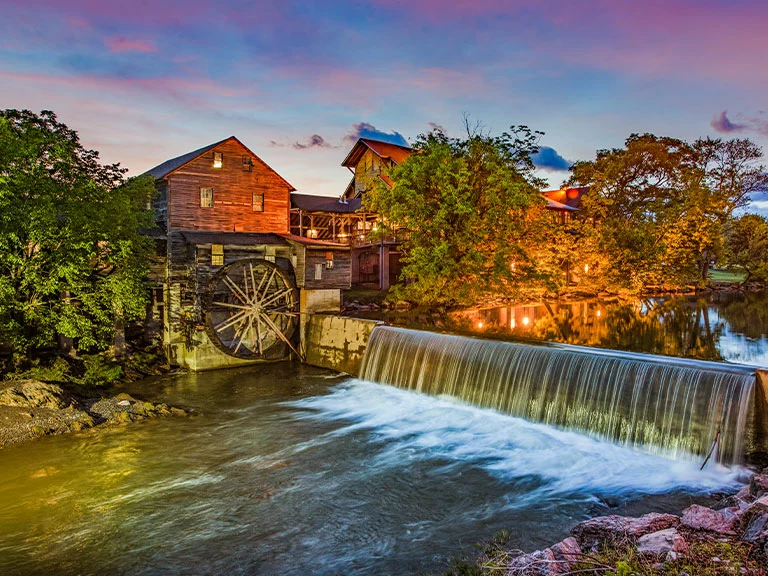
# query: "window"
[[329, 260], [258, 202], [247, 164], [218, 160], [206, 197], [217, 255], [318, 271]]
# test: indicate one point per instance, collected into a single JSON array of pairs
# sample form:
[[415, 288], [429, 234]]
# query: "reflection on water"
[[730, 327], [286, 470]]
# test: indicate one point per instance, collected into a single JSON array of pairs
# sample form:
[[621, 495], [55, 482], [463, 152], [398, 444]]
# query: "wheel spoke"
[[230, 321], [235, 290], [274, 297], [237, 306]]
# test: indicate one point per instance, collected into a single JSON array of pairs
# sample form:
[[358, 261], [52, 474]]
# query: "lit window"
[[217, 255], [318, 271], [218, 160], [329, 260], [206, 197], [258, 202]]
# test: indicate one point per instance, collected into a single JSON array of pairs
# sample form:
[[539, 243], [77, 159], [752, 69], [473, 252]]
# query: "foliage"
[[474, 213], [660, 206], [747, 246], [100, 371], [71, 256], [57, 371]]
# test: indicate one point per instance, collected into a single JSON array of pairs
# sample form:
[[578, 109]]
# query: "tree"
[[661, 205], [474, 213], [72, 259], [747, 246]]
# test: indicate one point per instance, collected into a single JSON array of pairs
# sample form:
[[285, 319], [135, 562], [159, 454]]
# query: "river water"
[[287, 469]]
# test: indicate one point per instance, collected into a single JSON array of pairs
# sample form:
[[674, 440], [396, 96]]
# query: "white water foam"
[[413, 425]]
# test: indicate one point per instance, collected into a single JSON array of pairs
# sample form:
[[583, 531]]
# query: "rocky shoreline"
[[729, 539], [31, 409]]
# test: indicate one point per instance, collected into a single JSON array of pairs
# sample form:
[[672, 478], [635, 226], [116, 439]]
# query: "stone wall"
[[338, 343]]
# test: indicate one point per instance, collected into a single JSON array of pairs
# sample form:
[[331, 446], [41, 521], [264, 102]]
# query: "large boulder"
[[620, 529], [703, 518], [33, 394], [758, 485], [661, 543], [553, 561], [754, 522]]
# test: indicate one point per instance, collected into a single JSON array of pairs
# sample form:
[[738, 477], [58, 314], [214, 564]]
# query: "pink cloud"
[[121, 44]]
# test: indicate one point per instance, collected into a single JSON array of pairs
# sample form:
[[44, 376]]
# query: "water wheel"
[[252, 310]]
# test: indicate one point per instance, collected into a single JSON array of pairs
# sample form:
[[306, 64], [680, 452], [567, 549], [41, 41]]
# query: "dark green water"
[[291, 470]]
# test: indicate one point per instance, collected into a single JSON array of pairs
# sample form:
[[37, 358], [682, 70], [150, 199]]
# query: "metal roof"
[[232, 238], [312, 203], [162, 170]]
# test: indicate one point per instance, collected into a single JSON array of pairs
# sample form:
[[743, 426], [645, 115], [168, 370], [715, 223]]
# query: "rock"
[[177, 412], [661, 543], [552, 561], [703, 518], [33, 394], [620, 529], [754, 522], [758, 485], [402, 305], [539, 563], [124, 403]]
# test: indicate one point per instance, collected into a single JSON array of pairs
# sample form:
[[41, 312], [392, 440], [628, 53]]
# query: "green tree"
[[474, 213], [72, 259], [747, 246], [661, 205]]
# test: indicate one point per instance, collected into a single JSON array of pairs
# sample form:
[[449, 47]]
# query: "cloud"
[[549, 159], [121, 44], [721, 123], [366, 130], [434, 127], [314, 141]]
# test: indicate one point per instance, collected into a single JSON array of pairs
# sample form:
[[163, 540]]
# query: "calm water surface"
[[292, 470]]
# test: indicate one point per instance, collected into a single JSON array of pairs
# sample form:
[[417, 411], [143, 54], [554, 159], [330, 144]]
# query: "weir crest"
[[673, 407]]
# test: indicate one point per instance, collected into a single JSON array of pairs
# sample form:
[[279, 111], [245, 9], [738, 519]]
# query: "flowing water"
[[290, 470], [677, 408]]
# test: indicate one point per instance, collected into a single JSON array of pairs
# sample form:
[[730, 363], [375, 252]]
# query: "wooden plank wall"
[[337, 277], [233, 187]]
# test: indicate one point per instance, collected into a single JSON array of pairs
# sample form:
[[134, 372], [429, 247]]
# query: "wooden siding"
[[339, 276], [233, 189]]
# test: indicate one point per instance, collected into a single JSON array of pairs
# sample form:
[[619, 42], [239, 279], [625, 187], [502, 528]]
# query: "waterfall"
[[668, 406]]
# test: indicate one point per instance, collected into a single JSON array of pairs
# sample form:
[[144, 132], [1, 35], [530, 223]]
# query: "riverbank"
[[729, 538], [31, 409]]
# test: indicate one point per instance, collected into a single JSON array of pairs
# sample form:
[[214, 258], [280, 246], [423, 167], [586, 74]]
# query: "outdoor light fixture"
[[526, 320], [479, 324], [311, 233], [586, 268]]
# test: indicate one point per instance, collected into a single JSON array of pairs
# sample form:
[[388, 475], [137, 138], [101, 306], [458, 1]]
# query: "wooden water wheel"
[[252, 310]]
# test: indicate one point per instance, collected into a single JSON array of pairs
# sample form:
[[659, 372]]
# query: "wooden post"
[[301, 222]]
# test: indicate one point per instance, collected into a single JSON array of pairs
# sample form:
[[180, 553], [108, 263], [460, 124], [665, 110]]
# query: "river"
[[287, 469]]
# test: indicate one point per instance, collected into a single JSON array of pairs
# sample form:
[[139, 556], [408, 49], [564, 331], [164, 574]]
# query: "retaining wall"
[[337, 342]]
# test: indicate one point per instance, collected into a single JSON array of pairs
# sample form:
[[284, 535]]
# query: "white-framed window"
[[206, 197], [217, 255], [218, 160], [258, 202], [318, 271]]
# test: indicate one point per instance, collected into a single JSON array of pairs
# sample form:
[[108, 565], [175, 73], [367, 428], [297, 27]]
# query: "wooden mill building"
[[235, 281]]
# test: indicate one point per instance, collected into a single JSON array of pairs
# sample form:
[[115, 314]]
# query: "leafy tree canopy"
[[747, 246], [474, 215], [72, 260], [661, 205]]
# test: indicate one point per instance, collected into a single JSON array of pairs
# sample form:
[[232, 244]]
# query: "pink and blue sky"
[[144, 81]]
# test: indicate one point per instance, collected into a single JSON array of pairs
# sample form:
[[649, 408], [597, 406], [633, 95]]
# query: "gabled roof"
[[166, 168], [382, 149], [312, 203], [162, 170]]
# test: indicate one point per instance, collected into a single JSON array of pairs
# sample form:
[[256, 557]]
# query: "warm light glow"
[[586, 268], [599, 313], [311, 233], [512, 324], [479, 324], [512, 266], [526, 320], [218, 160]]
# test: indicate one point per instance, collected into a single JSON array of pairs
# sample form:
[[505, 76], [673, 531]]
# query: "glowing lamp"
[[526, 320]]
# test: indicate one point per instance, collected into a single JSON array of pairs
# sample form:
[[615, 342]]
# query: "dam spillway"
[[674, 407]]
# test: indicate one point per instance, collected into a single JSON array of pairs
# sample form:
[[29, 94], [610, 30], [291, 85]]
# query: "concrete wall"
[[338, 343]]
